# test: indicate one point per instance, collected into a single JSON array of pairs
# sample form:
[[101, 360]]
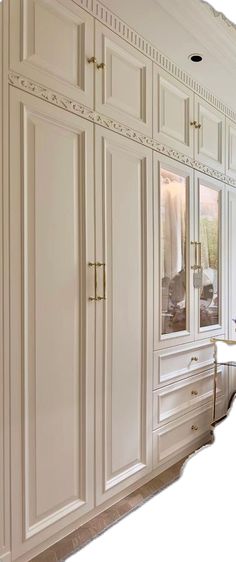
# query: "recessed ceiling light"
[[195, 57]]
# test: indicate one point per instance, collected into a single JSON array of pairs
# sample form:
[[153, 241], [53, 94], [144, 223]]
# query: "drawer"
[[176, 399], [170, 365], [169, 440]]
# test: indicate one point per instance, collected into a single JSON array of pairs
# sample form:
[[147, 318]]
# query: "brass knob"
[[101, 65], [92, 59], [194, 359], [193, 123], [194, 392], [194, 428], [198, 126]]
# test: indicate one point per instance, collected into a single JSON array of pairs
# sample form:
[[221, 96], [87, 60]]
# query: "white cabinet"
[[186, 122], [123, 86], [189, 226], [230, 148], [210, 136], [124, 319], [232, 282], [50, 43], [173, 110], [52, 320]]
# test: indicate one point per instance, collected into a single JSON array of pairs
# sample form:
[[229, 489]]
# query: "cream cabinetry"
[[230, 148], [232, 283], [189, 225], [186, 122], [124, 319]]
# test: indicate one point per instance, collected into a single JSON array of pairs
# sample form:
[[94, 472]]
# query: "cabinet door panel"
[[230, 148], [172, 112], [51, 42], [124, 341], [210, 233], [173, 228], [210, 138], [123, 89], [51, 356]]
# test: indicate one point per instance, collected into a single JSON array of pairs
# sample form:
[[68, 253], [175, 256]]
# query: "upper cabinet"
[[186, 122], [123, 81], [172, 112], [38, 51], [210, 135]]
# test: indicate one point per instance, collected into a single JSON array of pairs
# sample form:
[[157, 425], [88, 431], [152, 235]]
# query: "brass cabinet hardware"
[[103, 297], [193, 123], [194, 428], [194, 392], [199, 246], [92, 59], [95, 298], [194, 358], [198, 126], [101, 65], [196, 265]]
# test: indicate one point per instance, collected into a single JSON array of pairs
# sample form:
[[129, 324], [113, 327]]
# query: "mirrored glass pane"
[[209, 238], [173, 202]]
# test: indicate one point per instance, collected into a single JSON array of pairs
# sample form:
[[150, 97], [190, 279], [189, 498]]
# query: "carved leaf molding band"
[[63, 102]]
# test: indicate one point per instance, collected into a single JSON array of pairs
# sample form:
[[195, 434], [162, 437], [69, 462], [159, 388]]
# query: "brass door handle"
[[101, 65], [103, 297], [198, 255], [194, 428], [94, 298]]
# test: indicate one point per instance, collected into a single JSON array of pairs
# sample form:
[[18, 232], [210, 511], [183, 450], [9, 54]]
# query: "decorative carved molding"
[[19, 81], [108, 18]]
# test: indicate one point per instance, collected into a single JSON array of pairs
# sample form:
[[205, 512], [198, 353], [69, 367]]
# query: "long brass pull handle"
[[195, 266], [95, 298], [103, 297], [199, 246]]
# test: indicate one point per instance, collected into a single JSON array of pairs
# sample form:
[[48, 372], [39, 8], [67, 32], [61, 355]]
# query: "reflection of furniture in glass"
[[225, 355]]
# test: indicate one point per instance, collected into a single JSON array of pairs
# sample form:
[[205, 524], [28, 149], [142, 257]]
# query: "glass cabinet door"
[[172, 242], [210, 226]]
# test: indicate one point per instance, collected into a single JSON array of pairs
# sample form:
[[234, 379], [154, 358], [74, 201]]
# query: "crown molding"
[[219, 15], [118, 26], [21, 82]]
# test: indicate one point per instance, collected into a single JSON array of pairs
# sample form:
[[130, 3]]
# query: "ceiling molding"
[[220, 15]]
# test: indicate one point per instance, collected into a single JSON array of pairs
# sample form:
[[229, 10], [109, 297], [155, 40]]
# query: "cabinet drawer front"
[[170, 439], [181, 363], [176, 399]]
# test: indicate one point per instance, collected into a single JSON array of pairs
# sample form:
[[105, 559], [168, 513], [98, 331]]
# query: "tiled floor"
[[87, 532]]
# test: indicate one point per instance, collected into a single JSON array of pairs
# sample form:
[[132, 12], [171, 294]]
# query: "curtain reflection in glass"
[[209, 238], [173, 248]]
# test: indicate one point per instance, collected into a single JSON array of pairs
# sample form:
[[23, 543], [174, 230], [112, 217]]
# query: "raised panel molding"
[[230, 148], [64, 102], [211, 136]]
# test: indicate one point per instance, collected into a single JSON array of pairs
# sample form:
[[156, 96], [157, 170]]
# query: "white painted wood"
[[172, 112], [186, 335], [123, 89], [179, 434], [185, 360], [210, 137], [124, 321], [51, 41], [218, 188], [176, 399], [230, 148], [232, 281], [52, 342]]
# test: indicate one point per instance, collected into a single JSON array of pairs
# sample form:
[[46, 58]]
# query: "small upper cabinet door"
[[230, 148], [210, 135], [172, 112], [50, 42], [123, 87]]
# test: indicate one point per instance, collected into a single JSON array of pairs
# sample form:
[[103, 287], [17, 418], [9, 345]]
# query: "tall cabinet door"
[[173, 253], [52, 344], [232, 282], [210, 235], [124, 318]]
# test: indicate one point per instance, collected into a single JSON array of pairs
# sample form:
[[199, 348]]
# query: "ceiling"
[[181, 27]]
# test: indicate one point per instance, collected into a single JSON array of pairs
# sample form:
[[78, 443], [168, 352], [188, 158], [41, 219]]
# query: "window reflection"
[[173, 252], [209, 238]]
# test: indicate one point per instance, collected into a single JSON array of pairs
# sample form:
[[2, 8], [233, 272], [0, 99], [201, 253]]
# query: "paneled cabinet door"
[[232, 283], [210, 135], [173, 253], [52, 320], [211, 259], [230, 148], [124, 319], [50, 43], [123, 87], [172, 112]]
